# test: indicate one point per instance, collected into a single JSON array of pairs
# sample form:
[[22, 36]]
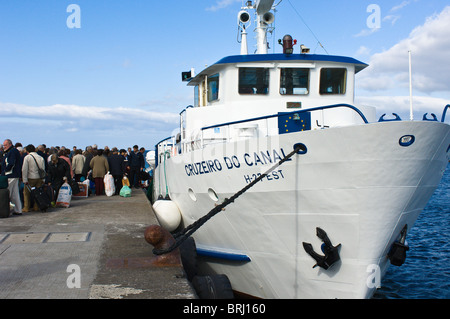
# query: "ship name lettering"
[[259, 158], [203, 167], [264, 158]]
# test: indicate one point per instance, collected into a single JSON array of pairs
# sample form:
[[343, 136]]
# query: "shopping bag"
[[110, 188], [84, 190], [64, 196], [125, 191]]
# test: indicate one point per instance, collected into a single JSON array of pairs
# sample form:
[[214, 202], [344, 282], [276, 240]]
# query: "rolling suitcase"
[[4, 203], [41, 198]]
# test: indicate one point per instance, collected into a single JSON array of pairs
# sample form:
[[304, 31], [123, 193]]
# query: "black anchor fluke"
[[331, 252]]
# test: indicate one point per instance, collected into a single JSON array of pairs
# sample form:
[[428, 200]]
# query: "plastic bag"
[[125, 191], [110, 188], [64, 196]]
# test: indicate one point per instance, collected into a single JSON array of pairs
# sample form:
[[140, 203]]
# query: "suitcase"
[[4, 203], [42, 198], [3, 182]]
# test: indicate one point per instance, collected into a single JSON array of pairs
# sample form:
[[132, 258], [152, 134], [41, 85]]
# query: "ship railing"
[[162, 147], [445, 112], [266, 118], [170, 144], [434, 117]]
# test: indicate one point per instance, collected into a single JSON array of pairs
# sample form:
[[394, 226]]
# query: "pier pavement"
[[93, 250]]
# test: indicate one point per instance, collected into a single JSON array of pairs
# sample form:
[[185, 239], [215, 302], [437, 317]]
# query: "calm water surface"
[[426, 272]]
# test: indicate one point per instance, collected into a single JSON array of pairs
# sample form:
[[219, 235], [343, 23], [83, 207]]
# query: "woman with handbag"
[[33, 175]]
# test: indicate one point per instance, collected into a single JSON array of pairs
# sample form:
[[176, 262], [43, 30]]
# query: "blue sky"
[[116, 80]]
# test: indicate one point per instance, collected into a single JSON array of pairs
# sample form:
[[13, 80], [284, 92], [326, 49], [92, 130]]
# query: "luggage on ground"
[[51, 194], [84, 190], [125, 191], [64, 196], [3, 182], [74, 186], [110, 188], [41, 197], [4, 203]]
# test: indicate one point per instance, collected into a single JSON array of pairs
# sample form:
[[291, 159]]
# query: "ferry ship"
[[328, 221]]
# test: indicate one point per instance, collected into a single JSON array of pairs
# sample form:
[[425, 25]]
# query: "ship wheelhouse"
[[231, 95]]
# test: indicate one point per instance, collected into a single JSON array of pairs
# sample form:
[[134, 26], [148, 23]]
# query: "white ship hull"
[[356, 182]]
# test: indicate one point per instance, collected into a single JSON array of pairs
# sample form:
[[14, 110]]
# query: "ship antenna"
[[411, 111], [304, 22]]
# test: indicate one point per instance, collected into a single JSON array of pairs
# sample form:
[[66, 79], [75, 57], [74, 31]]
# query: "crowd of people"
[[29, 167]]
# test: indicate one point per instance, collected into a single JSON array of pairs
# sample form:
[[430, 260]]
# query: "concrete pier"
[[93, 250]]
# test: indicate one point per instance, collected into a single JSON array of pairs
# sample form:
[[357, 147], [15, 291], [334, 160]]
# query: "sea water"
[[426, 272]]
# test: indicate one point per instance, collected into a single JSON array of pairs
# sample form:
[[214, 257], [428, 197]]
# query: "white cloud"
[[78, 114], [401, 105], [430, 47], [220, 4], [392, 18], [84, 125], [366, 32], [400, 6], [363, 51]]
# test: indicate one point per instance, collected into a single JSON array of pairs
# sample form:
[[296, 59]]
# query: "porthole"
[[192, 194], [212, 194], [407, 140]]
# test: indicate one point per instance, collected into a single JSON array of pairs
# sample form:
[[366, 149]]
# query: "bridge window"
[[294, 81], [253, 81], [333, 80], [197, 96], [213, 88]]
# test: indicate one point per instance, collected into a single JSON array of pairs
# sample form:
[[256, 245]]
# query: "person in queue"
[[11, 168], [30, 176], [58, 171]]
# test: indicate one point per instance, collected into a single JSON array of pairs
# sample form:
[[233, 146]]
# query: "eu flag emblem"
[[294, 122]]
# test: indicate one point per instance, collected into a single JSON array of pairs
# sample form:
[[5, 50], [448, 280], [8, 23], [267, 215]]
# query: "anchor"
[[397, 254], [331, 252]]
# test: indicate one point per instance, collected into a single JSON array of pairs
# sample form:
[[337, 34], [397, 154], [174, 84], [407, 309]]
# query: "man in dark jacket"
[[137, 163], [41, 152], [12, 169], [89, 156], [58, 169], [117, 168]]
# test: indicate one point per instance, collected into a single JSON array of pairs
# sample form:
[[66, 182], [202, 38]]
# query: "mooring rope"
[[184, 234]]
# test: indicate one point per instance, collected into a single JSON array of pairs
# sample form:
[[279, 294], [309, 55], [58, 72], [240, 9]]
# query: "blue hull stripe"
[[222, 255]]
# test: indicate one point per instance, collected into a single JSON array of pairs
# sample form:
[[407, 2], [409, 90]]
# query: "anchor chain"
[[184, 234]]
